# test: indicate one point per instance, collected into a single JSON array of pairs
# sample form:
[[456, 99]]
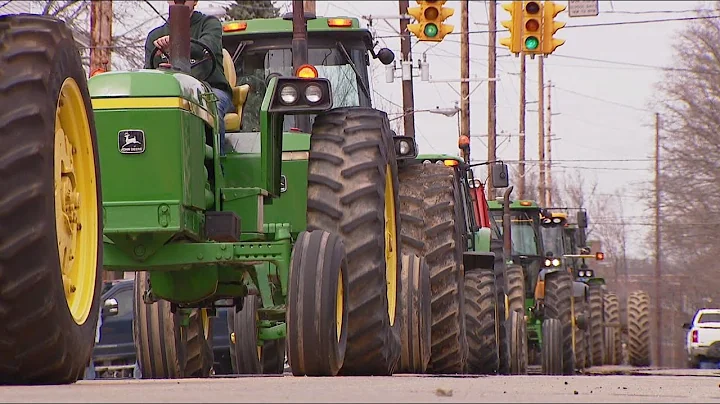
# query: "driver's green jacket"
[[203, 28]]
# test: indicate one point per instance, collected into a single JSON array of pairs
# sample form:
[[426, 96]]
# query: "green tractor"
[[308, 258], [445, 219], [538, 286], [338, 51]]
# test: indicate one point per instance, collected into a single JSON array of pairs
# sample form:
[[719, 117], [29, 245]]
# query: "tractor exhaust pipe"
[[507, 239], [179, 23], [300, 36]]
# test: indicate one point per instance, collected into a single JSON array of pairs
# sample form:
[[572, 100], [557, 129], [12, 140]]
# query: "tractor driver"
[[208, 30]]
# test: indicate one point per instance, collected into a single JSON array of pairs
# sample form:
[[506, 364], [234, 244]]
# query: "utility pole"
[[658, 273], [464, 70], [407, 85], [309, 6], [548, 145], [521, 130], [100, 34], [541, 129], [492, 95]]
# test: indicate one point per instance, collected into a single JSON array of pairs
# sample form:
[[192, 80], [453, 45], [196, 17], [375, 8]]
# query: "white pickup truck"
[[703, 337]]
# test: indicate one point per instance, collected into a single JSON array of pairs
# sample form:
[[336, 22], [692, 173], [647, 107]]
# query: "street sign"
[[583, 8]]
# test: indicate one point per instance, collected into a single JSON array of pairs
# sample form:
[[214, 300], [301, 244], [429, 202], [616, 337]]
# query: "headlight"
[[557, 220], [547, 221], [288, 95], [404, 147], [440, 162], [548, 263], [589, 273], [581, 274], [313, 93], [556, 262]]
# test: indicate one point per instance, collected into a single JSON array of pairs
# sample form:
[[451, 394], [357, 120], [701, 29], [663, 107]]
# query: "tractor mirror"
[[110, 307], [582, 219], [585, 250], [386, 56], [500, 175], [686, 326]]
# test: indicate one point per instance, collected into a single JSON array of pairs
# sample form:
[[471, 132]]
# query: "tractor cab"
[[555, 242], [526, 237]]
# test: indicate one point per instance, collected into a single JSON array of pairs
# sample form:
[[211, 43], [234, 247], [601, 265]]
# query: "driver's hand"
[[163, 43]]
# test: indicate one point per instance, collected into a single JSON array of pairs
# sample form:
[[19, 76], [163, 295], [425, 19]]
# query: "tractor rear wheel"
[[433, 228], [514, 299], [558, 305], [516, 343], [415, 315], [352, 192], [496, 247], [638, 309], [612, 323], [552, 347], [317, 312], [50, 205], [580, 336], [246, 355], [596, 324], [481, 321], [183, 352]]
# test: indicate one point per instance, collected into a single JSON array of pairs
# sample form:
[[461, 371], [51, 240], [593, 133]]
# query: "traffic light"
[[550, 27], [531, 39], [514, 25], [430, 16]]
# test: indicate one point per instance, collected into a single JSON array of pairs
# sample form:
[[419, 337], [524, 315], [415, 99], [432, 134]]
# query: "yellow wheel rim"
[[76, 209], [339, 307], [390, 245], [205, 317]]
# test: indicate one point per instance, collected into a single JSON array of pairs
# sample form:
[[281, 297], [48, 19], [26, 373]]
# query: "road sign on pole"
[[583, 8]]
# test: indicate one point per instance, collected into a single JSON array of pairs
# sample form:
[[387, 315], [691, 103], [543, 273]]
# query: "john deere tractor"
[[538, 285], [51, 218], [321, 270], [445, 219]]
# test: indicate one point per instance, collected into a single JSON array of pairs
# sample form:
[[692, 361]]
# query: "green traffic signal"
[[431, 30], [531, 43]]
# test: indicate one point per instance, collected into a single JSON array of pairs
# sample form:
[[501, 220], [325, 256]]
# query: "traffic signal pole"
[[521, 129], [541, 130], [464, 71], [408, 97], [492, 94]]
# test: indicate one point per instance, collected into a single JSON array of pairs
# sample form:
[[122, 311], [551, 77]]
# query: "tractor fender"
[[540, 283], [546, 271], [477, 260], [482, 239], [580, 290]]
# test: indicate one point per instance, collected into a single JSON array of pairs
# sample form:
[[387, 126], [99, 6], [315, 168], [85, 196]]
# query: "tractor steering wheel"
[[208, 56]]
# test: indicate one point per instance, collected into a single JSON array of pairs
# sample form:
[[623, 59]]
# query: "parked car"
[[703, 338], [114, 356]]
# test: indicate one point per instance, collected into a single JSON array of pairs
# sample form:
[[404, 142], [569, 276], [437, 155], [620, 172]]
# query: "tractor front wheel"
[[514, 301], [480, 320], [580, 335], [415, 315], [352, 192], [50, 210], [164, 348], [596, 325], [613, 347], [247, 356], [317, 312], [558, 305]]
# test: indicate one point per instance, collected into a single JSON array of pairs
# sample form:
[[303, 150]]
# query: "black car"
[[114, 356]]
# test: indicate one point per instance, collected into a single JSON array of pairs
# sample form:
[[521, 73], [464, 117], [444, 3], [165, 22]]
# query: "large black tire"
[[516, 343], [186, 352], [514, 297], [638, 309], [481, 321], [580, 336], [552, 348], [433, 228], [246, 358], [558, 305], [351, 168], [415, 315], [596, 324], [316, 343], [612, 334], [496, 247], [40, 340]]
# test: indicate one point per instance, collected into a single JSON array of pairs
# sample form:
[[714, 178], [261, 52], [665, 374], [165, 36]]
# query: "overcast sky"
[[603, 81]]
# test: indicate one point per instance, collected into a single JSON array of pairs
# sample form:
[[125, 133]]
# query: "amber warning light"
[[235, 26], [307, 72]]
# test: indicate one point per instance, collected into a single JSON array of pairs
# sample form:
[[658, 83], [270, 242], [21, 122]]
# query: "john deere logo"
[[131, 141], [283, 183]]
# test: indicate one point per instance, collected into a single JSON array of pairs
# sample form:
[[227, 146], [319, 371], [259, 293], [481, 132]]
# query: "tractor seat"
[[233, 120]]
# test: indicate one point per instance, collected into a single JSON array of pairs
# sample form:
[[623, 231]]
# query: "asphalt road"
[[666, 386]]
